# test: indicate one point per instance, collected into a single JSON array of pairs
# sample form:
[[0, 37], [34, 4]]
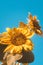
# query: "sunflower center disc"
[[19, 39]]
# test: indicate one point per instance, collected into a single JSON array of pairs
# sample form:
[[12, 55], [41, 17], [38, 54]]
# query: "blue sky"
[[14, 11]]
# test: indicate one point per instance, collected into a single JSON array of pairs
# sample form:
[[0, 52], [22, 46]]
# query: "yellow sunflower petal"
[[4, 34], [17, 49], [9, 48], [26, 32], [39, 32], [5, 40], [29, 34], [13, 49], [35, 18], [30, 17], [22, 30], [27, 48], [29, 43], [22, 25], [9, 31]]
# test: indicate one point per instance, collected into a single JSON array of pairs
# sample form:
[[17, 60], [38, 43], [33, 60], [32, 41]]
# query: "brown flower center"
[[18, 39]]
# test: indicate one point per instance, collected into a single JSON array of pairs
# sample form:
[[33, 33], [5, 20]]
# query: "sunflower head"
[[34, 24], [17, 39]]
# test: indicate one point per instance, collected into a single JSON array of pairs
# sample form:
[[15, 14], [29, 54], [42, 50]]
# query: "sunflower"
[[34, 25], [17, 39]]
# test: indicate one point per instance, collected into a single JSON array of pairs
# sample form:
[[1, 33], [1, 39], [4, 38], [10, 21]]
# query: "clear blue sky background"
[[14, 11]]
